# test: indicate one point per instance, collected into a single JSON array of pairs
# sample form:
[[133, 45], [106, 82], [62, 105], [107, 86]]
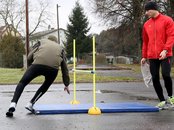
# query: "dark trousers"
[[32, 72], [165, 70]]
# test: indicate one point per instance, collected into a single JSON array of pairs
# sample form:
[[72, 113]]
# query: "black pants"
[[166, 69], [32, 72]]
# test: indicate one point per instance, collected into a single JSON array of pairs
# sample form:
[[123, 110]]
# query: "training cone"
[[94, 111], [74, 102]]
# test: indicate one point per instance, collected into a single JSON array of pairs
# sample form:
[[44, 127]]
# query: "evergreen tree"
[[12, 50], [78, 29]]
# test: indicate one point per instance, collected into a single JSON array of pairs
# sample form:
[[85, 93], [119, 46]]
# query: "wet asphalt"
[[106, 92]]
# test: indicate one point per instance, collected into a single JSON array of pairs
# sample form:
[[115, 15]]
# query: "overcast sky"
[[65, 10]]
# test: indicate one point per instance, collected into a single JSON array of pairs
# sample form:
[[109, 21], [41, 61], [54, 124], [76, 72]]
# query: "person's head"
[[151, 9]]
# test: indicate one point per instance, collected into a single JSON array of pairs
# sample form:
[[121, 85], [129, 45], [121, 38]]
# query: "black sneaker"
[[10, 112]]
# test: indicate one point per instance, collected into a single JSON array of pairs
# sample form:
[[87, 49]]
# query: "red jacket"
[[158, 35]]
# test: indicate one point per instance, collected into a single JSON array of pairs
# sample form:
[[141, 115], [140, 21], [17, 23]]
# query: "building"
[[45, 34], [5, 30]]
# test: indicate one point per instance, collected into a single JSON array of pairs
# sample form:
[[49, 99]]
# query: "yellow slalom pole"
[[94, 110], [94, 75], [74, 67]]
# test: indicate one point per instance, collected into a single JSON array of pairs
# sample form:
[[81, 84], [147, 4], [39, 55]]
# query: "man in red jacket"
[[158, 40]]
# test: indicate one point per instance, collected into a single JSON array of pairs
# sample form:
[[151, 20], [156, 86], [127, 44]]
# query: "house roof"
[[44, 33], [2, 28]]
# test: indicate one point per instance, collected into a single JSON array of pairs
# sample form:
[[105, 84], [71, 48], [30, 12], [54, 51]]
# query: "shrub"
[[12, 50]]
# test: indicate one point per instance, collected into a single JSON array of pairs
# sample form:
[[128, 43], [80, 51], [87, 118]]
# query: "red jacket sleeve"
[[145, 43], [169, 34]]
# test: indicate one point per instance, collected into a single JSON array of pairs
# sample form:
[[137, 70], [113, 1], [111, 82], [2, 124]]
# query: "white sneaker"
[[13, 105], [11, 109], [170, 102], [163, 105], [29, 107]]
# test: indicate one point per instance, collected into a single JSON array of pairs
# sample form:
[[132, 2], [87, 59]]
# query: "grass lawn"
[[12, 76]]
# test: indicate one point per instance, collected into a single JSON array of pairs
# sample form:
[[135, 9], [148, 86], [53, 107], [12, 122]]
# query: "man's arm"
[[145, 42], [65, 73], [144, 47], [170, 35]]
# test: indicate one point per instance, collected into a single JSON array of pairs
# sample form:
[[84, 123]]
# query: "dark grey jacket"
[[51, 54]]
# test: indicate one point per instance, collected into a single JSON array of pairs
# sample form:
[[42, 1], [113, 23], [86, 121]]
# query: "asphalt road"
[[106, 92]]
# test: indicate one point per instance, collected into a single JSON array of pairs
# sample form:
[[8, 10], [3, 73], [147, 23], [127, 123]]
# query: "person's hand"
[[143, 60], [66, 88], [163, 55]]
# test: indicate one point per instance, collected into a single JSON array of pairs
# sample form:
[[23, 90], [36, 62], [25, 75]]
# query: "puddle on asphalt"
[[97, 91], [130, 96]]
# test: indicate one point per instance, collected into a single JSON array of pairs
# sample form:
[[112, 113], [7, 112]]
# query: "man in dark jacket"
[[158, 40], [44, 60]]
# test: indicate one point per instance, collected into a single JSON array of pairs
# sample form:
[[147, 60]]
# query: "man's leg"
[[154, 69], [27, 77], [50, 75], [166, 69]]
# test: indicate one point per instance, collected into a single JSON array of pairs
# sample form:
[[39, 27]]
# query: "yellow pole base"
[[94, 111], [75, 102]]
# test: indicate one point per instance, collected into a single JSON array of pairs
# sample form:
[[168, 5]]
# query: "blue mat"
[[104, 107]]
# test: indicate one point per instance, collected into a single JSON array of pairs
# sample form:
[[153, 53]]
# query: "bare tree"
[[115, 12], [167, 7], [39, 16], [130, 14], [12, 12], [123, 12], [10, 15]]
